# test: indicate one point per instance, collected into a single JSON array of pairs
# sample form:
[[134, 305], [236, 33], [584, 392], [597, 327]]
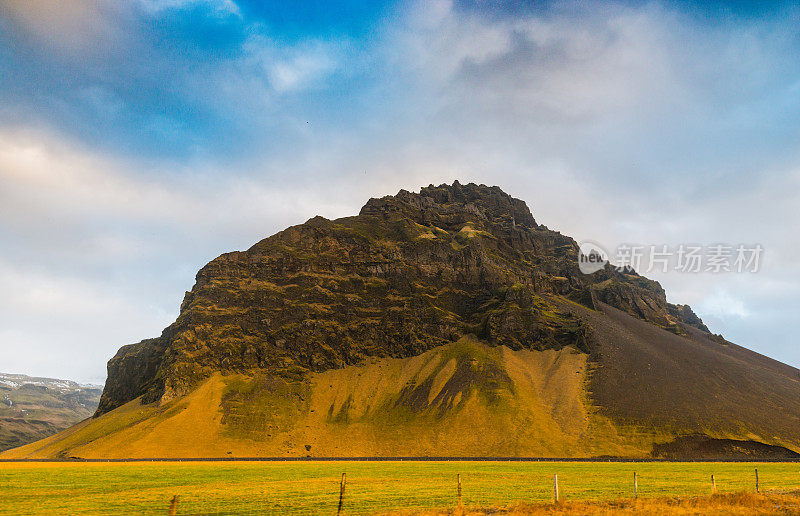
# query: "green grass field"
[[313, 487]]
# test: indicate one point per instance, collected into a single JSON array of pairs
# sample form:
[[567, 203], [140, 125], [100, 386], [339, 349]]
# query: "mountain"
[[33, 408], [446, 323]]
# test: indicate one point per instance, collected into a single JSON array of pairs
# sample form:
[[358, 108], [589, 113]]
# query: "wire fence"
[[218, 489]]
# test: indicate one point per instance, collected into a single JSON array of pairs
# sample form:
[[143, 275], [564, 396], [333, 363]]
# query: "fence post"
[[555, 488], [635, 486], [713, 484], [341, 493], [757, 491], [459, 489], [173, 506]]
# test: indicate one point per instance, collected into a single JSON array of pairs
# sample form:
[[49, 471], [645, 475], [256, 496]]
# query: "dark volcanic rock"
[[409, 273], [130, 373], [700, 446]]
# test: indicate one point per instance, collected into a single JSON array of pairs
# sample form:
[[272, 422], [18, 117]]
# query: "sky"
[[139, 139]]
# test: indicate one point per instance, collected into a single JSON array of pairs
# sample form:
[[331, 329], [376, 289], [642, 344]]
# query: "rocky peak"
[[411, 272], [447, 206]]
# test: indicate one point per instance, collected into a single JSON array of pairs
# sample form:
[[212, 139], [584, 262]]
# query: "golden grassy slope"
[[461, 399]]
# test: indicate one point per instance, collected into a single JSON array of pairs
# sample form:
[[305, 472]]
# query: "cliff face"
[[409, 273]]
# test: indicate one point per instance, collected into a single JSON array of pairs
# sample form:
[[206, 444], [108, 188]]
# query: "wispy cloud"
[[76, 27], [220, 8], [185, 78]]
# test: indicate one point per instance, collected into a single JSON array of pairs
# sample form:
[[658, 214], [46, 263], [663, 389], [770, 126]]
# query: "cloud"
[[54, 318], [722, 304], [77, 26], [298, 70], [220, 8], [51, 184], [159, 78], [630, 96], [48, 174]]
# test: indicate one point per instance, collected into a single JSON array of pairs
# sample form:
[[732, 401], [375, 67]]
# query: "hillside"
[[445, 322], [32, 408]]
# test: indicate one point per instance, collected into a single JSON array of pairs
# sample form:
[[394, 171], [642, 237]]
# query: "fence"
[[362, 488]]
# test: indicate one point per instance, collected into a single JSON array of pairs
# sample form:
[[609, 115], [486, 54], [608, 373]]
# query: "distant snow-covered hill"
[[32, 408]]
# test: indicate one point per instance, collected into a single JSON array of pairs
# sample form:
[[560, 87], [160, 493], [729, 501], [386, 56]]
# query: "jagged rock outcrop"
[[409, 273]]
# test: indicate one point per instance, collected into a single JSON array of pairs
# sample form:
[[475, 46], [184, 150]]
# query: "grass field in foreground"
[[313, 487]]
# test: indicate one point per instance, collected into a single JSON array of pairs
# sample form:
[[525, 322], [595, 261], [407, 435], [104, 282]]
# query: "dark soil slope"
[[699, 383], [706, 448]]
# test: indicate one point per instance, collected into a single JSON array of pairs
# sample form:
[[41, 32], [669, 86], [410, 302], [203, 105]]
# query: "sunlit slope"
[[464, 398]]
